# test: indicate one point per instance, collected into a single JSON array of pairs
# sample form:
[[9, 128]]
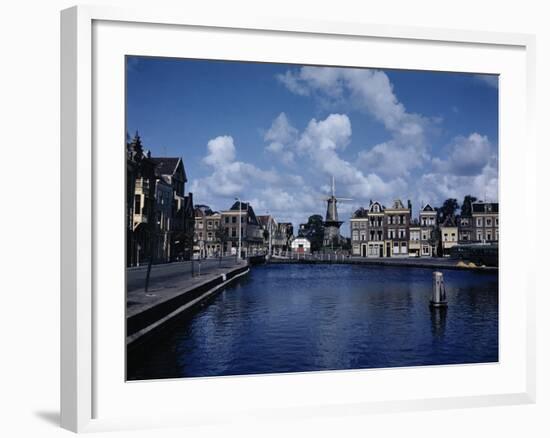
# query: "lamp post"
[[269, 243], [240, 212]]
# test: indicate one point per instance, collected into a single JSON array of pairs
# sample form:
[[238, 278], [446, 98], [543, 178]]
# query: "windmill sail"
[[332, 224]]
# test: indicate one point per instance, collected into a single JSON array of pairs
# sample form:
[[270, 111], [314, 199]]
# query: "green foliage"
[[314, 231], [448, 209], [466, 209]]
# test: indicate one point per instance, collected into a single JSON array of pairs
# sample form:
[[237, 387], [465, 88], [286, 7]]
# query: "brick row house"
[[397, 218], [380, 231], [208, 238], [252, 238], [217, 233]]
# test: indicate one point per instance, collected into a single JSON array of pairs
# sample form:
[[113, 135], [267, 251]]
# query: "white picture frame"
[[84, 317]]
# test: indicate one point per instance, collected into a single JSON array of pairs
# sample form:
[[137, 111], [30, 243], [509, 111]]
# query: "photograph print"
[[285, 218]]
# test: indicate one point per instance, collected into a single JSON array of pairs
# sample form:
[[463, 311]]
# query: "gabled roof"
[[169, 166], [427, 208], [397, 205], [449, 222], [372, 205], [263, 219]]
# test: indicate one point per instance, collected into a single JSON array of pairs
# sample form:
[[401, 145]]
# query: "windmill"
[[332, 224]]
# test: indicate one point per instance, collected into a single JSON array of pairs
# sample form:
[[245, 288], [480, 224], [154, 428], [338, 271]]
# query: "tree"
[[466, 209], [221, 236], [448, 209], [314, 231]]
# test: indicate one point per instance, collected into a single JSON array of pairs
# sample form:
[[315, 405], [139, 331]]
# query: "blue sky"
[[274, 134]]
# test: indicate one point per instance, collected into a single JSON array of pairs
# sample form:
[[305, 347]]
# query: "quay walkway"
[[173, 289], [417, 262]]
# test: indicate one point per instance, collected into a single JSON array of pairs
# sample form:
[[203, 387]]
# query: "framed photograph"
[[288, 218]]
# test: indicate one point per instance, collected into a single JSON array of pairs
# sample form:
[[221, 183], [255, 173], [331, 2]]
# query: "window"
[[488, 222], [496, 221], [233, 232], [227, 219], [137, 207], [355, 224], [479, 222], [445, 237], [403, 247], [363, 224], [396, 247], [234, 219]]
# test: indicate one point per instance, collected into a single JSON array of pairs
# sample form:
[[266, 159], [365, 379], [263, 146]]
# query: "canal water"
[[294, 318]]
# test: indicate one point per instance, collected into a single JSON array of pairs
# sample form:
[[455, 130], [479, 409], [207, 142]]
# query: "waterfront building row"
[[380, 231], [217, 233]]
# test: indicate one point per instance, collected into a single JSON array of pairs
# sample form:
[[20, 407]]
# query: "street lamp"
[[239, 249]]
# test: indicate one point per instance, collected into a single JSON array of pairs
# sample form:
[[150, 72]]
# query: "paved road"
[[165, 275]]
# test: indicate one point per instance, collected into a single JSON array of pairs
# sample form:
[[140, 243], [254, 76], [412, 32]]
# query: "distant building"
[[208, 237], [172, 171], [449, 235], [414, 238], [485, 221], [359, 232], [286, 230], [252, 239], [376, 230], [301, 245], [397, 219], [428, 231], [274, 237]]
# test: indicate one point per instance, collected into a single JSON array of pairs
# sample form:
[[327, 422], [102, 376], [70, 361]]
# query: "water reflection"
[[438, 316]]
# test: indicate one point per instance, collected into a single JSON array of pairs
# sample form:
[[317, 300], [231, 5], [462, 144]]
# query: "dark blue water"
[[292, 318]]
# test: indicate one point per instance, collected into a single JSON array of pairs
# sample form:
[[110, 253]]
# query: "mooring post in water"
[[439, 297]]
